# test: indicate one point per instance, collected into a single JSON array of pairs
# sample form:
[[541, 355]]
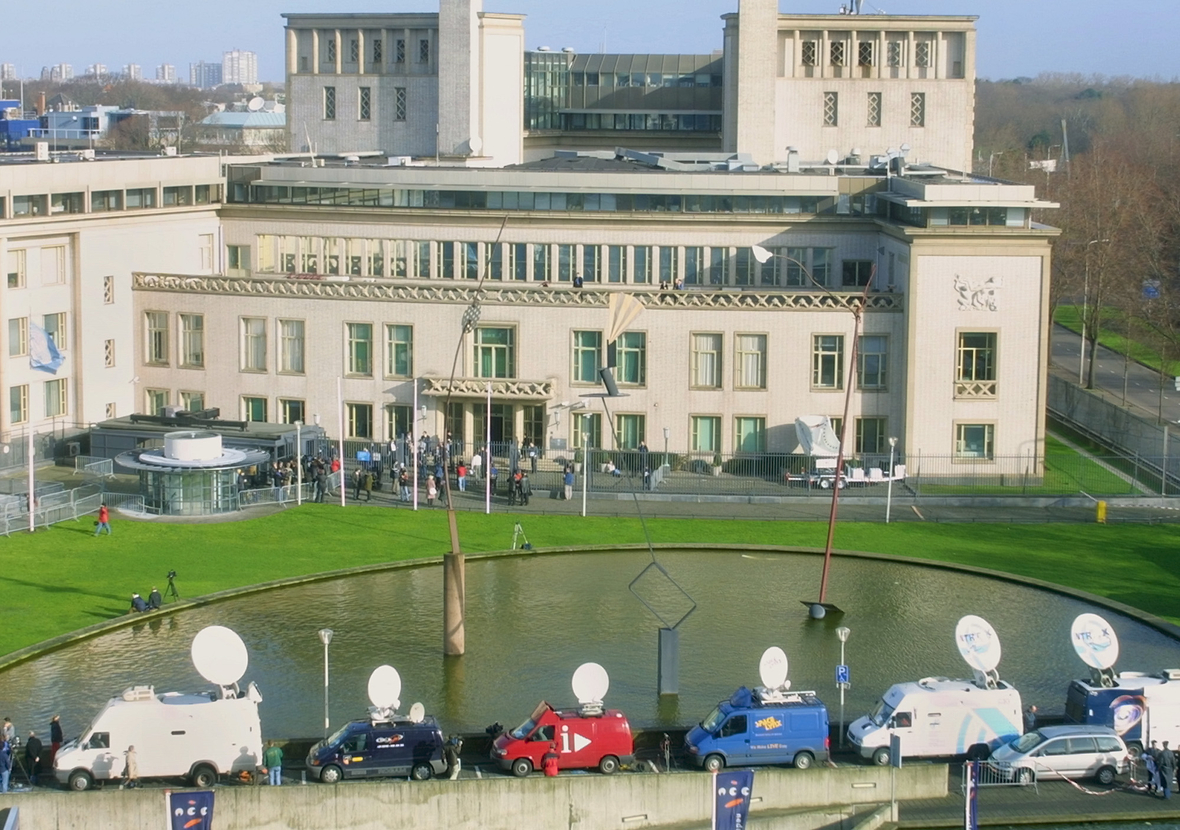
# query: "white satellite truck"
[[194, 736], [939, 717], [1140, 707]]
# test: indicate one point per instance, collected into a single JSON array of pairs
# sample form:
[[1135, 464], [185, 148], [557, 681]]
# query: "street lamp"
[[586, 466], [298, 464], [667, 435], [325, 638], [843, 676], [889, 492]]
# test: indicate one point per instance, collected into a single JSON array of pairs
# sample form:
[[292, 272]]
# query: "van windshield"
[[711, 723], [521, 732], [337, 735], [882, 713], [1027, 741]]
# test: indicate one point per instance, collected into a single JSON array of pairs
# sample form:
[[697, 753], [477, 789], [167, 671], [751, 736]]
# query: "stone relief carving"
[[978, 295]]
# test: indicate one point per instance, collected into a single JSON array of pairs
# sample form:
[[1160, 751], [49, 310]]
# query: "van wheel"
[[1105, 776], [803, 760], [881, 756], [608, 765], [521, 767], [80, 781], [978, 752], [421, 772], [330, 774], [204, 776], [1135, 750], [714, 763]]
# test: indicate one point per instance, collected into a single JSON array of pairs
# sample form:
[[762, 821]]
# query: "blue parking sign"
[[842, 674]]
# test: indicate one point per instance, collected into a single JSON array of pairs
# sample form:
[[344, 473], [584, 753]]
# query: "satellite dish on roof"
[[833, 156], [219, 655], [978, 643], [255, 104], [1094, 640], [773, 668], [417, 713], [590, 683], [385, 686]]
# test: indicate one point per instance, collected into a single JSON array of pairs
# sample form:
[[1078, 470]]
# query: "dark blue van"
[[761, 727], [379, 748]]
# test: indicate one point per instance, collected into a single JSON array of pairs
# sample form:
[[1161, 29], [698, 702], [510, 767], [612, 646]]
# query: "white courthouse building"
[[253, 284]]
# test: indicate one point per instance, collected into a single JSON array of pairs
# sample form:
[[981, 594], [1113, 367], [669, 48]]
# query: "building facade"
[[239, 67]]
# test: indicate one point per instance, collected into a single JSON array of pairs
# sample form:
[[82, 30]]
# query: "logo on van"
[[392, 739], [768, 723]]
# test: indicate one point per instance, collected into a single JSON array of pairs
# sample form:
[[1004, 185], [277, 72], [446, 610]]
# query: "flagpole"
[[32, 484], [340, 417]]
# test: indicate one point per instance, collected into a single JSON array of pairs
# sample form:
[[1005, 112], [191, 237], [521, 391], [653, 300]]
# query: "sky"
[[1091, 37]]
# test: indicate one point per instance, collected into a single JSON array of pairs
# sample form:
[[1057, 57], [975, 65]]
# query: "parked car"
[[1063, 752]]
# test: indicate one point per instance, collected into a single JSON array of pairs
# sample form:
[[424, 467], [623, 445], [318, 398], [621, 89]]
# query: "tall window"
[[399, 103], [810, 53], [330, 48], [365, 105], [18, 404], [108, 290], [399, 50], [55, 327], [874, 119], [814, 261], [918, 109], [424, 51], [632, 358], [329, 103], [643, 264], [565, 262], [292, 410], [360, 420], [400, 345], [254, 409], [589, 423], [695, 265], [632, 430], [893, 51], [422, 259], [53, 260], [976, 372], [749, 434], [156, 323], [360, 348], [587, 356], [238, 259], [837, 50], [495, 352], [18, 336], [397, 420], [866, 53], [17, 268], [857, 272], [192, 401], [827, 361], [55, 398], [254, 344], [872, 361], [108, 353], [870, 436], [378, 51], [291, 346], [669, 265], [616, 263], [354, 50], [155, 400], [518, 261], [470, 252], [922, 54], [192, 341], [706, 361], [706, 433], [975, 441], [541, 263], [592, 263], [750, 367], [831, 109], [718, 266]]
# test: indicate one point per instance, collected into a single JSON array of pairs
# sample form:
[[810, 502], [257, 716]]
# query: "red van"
[[582, 738]]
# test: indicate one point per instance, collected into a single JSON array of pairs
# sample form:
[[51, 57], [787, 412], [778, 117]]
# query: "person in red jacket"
[[104, 520], [549, 762]]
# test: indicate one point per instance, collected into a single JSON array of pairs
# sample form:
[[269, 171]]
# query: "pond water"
[[532, 620]]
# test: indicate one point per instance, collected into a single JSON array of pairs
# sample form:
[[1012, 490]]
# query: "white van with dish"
[[193, 736]]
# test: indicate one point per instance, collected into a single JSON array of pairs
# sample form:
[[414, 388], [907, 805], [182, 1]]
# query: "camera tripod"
[[171, 591]]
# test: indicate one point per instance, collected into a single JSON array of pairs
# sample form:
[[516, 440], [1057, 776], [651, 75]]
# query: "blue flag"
[[43, 353], [731, 798], [191, 811]]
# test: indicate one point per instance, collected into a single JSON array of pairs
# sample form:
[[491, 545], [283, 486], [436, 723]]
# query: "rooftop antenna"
[[590, 684], [772, 669], [980, 647], [219, 656], [1096, 643]]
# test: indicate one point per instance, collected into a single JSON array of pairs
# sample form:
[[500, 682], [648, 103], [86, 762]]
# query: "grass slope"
[[63, 579]]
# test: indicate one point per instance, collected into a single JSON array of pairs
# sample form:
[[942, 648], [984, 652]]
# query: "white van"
[[193, 736], [940, 717]]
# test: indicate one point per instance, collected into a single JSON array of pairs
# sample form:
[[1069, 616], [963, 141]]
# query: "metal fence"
[[93, 467], [1002, 774], [50, 508]]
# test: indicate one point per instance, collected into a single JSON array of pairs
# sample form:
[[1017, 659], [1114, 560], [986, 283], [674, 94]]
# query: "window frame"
[[882, 445], [639, 350], [249, 341], [580, 352], [639, 419], [21, 393], [989, 441], [738, 449], [493, 350], [698, 360], [739, 374], [352, 356], [286, 363], [882, 372], [245, 408], [157, 340], [352, 411], [394, 345], [819, 356], [694, 433], [186, 335]]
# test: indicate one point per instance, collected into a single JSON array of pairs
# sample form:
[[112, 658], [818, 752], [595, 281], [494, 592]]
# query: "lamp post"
[[586, 466], [889, 492], [667, 435], [843, 676], [326, 638], [298, 463]]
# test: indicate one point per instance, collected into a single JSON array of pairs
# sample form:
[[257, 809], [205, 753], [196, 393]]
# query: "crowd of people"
[[35, 760]]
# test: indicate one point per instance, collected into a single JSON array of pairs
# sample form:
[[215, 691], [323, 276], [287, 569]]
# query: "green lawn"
[[63, 579], [1113, 335]]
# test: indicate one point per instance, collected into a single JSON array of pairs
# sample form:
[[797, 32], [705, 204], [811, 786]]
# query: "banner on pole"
[[191, 811], [731, 798], [971, 801]]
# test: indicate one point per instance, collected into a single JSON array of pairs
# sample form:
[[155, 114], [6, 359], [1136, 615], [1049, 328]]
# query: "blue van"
[[761, 727], [380, 747]]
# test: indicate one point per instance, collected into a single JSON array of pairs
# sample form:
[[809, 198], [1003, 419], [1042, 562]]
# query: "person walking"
[[403, 481], [55, 738], [532, 454], [104, 520], [461, 474], [34, 751], [273, 760], [431, 491], [568, 481], [526, 489], [357, 477], [5, 765], [1030, 718], [1153, 773], [130, 769], [453, 755], [367, 485], [1166, 762]]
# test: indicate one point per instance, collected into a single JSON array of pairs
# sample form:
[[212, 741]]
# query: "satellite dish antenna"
[[773, 668], [980, 646], [1095, 642], [833, 156], [219, 655], [255, 104], [385, 686], [417, 713], [590, 684]]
